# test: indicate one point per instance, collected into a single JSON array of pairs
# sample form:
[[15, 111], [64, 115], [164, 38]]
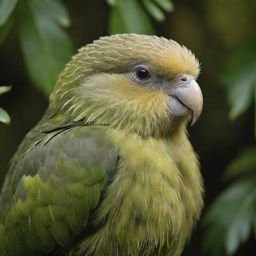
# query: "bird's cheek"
[[177, 108]]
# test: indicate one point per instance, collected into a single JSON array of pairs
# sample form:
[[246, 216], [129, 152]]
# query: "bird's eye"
[[142, 73]]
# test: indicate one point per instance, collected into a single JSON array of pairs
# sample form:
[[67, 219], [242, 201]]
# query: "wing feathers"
[[60, 184]]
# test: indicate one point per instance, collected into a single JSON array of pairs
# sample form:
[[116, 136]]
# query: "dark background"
[[212, 29]]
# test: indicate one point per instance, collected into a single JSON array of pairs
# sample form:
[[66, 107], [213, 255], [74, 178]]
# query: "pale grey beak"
[[188, 93]]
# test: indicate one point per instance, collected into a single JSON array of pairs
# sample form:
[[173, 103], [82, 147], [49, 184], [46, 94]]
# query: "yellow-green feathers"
[[151, 206]]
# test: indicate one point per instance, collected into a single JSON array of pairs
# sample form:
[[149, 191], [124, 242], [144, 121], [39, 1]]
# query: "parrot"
[[109, 169]]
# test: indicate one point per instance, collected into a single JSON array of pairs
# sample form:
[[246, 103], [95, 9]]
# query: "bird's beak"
[[187, 91]]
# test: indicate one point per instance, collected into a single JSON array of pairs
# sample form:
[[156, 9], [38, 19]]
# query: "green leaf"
[[4, 117], [4, 30], [240, 229], [46, 48], [155, 12], [111, 2], [166, 5], [241, 94], [242, 223], [6, 9], [127, 16], [56, 10], [5, 89], [243, 164], [239, 78], [233, 214]]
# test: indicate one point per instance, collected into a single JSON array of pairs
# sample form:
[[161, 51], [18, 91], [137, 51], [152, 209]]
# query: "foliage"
[[240, 80], [155, 11], [232, 217], [45, 46], [128, 16], [4, 117], [244, 164], [6, 8]]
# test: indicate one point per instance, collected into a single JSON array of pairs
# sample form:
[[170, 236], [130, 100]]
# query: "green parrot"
[[109, 170]]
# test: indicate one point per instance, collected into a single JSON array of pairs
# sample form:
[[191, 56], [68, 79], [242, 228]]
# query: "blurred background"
[[38, 37]]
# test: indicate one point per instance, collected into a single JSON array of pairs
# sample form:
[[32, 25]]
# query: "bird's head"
[[145, 84]]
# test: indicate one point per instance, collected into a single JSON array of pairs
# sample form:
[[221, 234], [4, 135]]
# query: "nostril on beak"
[[184, 78]]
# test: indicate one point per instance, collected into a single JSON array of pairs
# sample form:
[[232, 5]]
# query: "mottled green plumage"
[[109, 169], [52, 188]]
